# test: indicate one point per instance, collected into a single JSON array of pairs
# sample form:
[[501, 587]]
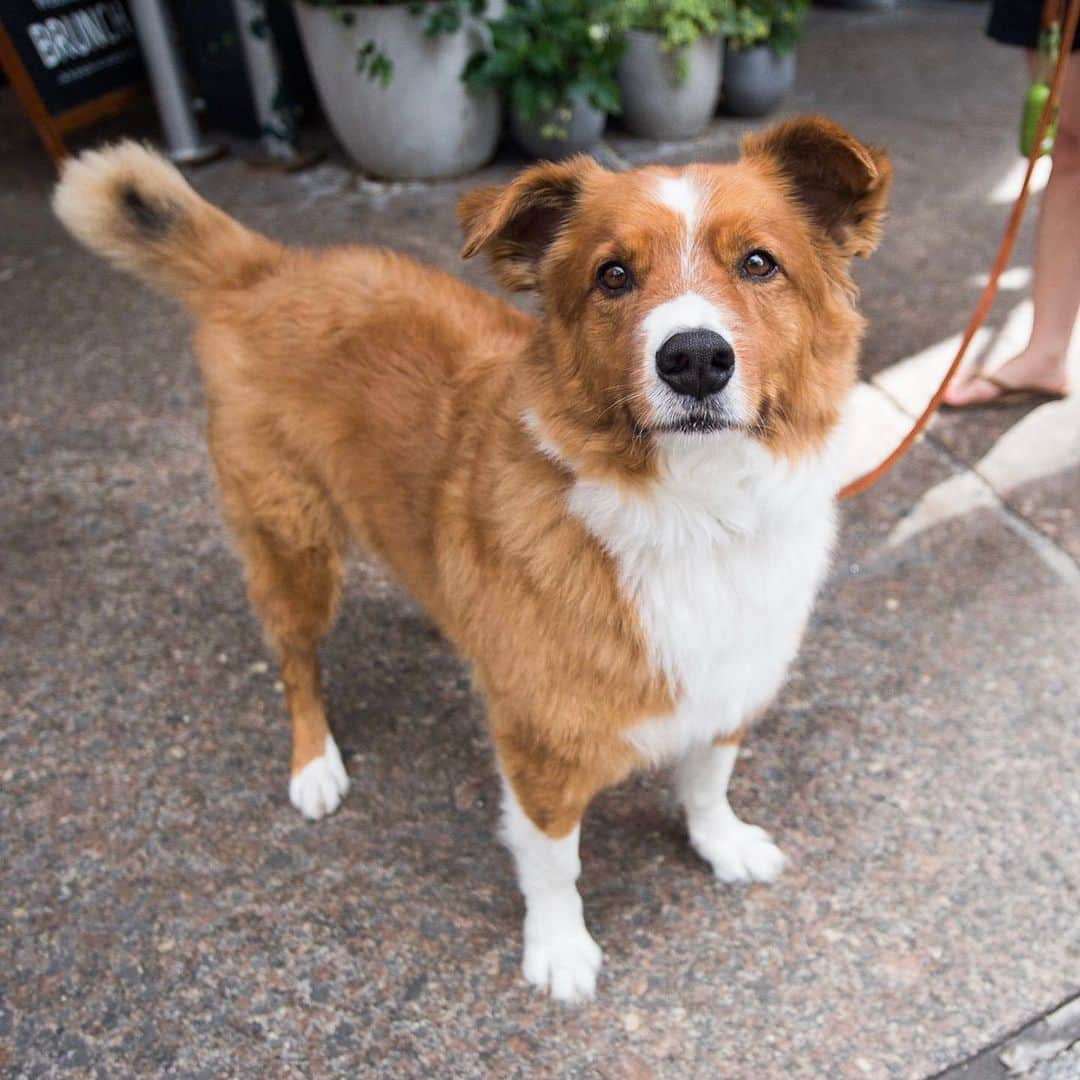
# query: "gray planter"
[[425, 124], [584, 126], [656, 103], [756, 79]]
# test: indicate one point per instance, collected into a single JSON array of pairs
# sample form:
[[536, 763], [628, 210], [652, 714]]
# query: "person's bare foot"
[[1026, 371]]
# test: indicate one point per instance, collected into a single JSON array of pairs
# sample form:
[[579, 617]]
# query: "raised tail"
[[130, 205]]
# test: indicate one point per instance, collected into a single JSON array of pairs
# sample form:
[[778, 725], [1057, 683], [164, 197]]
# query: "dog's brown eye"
[[614, 277], [759, 264]]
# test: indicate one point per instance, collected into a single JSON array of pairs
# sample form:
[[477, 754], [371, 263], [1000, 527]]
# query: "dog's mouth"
[[697, 418], [695, 423]]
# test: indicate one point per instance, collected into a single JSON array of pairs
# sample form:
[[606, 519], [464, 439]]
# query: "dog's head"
[[692, 300]]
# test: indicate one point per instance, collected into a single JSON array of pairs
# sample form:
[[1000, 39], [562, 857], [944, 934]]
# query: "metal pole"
[[182, 136], [277, 119]]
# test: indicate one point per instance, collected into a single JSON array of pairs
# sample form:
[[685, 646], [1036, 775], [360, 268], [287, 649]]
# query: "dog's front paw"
[[564, 960], [318, 788], [737, 851]]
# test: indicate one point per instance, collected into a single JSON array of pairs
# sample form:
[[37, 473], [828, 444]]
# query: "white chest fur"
[[722, 557]]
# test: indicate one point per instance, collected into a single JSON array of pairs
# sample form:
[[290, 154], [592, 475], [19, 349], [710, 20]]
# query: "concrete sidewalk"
[[164, 911]]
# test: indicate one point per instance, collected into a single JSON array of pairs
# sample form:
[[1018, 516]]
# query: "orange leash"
[[1008, 240]]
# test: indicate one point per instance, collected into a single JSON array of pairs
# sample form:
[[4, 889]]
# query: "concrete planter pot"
[[756, 79], [425, 124], [657, 104], [583, 126]]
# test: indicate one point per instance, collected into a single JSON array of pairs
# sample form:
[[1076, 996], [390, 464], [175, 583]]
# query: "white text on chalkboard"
[[79, 34]]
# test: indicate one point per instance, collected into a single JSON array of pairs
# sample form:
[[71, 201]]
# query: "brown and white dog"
[[619, 512]]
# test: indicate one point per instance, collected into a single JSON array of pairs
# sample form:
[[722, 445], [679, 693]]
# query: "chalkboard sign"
[[70, 61]]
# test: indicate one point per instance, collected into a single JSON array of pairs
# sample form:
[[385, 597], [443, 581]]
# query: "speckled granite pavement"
[[164, 911]]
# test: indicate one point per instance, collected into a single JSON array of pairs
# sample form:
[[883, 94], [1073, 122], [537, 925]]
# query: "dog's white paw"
[[737, 851], [318, 788], [562, 960]]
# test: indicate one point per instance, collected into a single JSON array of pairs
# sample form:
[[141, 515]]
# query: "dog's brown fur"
[[353, 393]]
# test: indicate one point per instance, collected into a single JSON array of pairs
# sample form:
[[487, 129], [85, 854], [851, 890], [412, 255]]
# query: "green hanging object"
[[1039, 93]]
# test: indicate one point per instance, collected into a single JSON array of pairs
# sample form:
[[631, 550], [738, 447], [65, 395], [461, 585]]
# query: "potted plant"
[[555, 61], [759, 56], [389, 77], [669, 76]]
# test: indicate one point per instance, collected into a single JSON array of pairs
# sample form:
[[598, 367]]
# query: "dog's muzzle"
[[696, 363]]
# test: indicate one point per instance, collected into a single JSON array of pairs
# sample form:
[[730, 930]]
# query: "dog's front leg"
[[560, 955], [736, 851]]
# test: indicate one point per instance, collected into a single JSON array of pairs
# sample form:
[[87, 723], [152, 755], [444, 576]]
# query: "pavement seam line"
[[1049, 551], [990, 1061]]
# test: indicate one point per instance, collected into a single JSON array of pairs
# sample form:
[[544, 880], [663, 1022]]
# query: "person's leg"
[[1056, 290]]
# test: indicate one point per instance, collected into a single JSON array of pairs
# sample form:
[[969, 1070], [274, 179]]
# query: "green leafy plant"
[[543, 53], [437, 17], [679, 23], [776, 23]]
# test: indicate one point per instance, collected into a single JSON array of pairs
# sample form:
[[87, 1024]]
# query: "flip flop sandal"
[[1010, 396]]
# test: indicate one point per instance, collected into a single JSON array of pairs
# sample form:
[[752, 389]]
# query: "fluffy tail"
[[130, 205]]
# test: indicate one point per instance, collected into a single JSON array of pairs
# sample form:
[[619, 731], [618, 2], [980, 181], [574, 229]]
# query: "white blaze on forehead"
[[681, 194]]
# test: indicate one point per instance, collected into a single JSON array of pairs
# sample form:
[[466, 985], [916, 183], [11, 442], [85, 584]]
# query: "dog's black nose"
[[696, 362]]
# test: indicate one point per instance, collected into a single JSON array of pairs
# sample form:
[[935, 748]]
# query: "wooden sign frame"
[[52, 127]]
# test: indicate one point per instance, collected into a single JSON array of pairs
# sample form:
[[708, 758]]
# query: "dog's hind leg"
[[291, 545]]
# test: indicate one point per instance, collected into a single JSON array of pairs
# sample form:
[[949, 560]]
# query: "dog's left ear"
[[843, 183], [516, 224]]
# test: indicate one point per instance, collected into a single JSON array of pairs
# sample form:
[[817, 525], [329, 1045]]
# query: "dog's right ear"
[[516, 224]]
